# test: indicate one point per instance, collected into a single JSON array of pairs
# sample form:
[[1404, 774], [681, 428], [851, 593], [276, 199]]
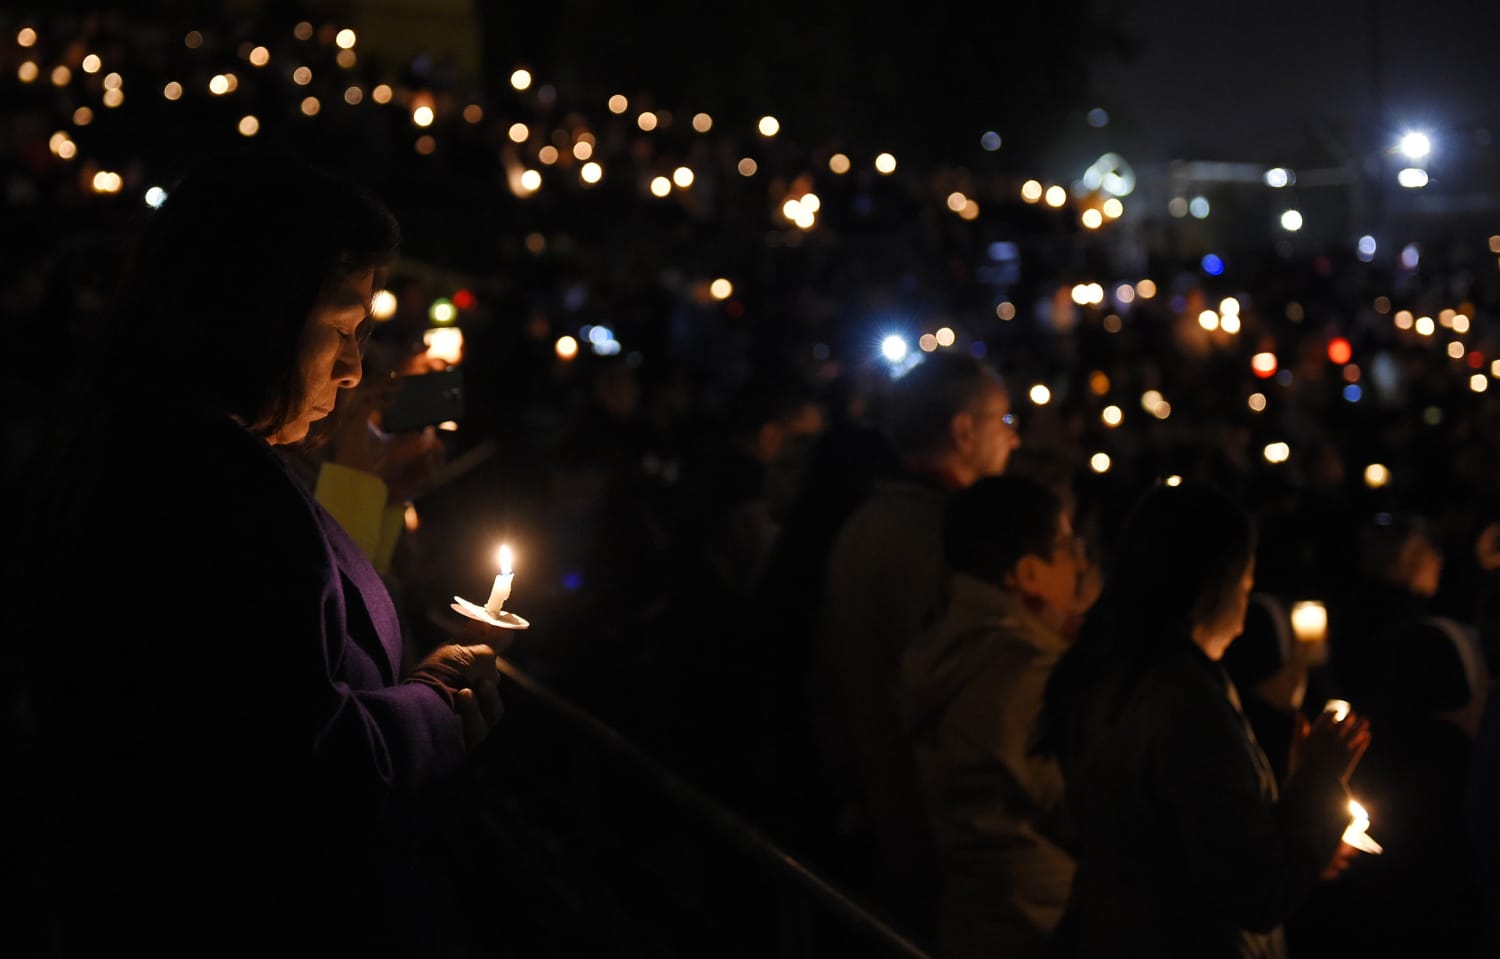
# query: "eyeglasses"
[[1074, 545]]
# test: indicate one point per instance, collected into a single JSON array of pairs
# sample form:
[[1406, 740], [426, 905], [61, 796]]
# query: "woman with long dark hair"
[[1186, 843]]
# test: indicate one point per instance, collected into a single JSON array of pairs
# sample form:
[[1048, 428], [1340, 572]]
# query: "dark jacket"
[[1185, 845], [228, 762]]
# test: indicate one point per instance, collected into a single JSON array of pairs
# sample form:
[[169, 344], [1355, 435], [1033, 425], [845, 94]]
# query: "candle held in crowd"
[[500, 592]]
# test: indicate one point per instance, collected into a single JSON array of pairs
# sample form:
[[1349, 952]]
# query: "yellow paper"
[[358, 501]]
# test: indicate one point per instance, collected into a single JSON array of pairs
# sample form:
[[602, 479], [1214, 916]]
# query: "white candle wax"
[[1357, 833], [500, 592]]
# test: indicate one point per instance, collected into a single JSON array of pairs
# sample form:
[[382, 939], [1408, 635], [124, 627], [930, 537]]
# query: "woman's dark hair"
[[989, 526], [1179, 559], [215, 297]]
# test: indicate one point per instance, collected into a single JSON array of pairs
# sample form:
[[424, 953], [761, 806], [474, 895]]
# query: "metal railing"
[[809, 909]]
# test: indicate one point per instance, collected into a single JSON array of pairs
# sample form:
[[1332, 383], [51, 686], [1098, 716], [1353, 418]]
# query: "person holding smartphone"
[[228, 752]]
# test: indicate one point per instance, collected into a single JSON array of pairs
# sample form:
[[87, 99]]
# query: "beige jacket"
[[971, 690]]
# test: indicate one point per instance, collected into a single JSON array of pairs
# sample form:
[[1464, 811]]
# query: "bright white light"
[[1099, 462], [1198, 207], [885, 163], [768, 126], [155, 197], [894, 348], [1365, 248], [1291, 221], [1112, 416], [1230, 323], [1413, 178], [1415, 145], [1277, 177], [383, 305], [1040, 395], [1377, 475], [1277, 452]]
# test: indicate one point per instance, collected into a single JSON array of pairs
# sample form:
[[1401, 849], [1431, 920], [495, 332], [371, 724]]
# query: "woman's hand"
[[469, 678], [1328, 744]]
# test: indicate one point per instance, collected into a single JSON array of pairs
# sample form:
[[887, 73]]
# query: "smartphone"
[[424, 399]]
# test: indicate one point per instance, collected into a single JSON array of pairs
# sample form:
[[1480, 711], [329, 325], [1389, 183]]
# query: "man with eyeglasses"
[[950, 420]]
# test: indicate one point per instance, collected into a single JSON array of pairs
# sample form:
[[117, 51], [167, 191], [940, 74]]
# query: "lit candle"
[[500, 592], [1338, 707], [445, 344], [1310, 621], [1355, 833]]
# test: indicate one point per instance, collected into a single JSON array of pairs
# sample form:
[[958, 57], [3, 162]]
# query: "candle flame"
[[505, 568]]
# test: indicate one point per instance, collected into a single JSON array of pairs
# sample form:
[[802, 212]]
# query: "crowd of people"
[[1079, 633]]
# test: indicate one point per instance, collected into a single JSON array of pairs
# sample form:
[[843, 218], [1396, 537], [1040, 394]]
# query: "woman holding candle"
[[254, 775], [1186, 844]]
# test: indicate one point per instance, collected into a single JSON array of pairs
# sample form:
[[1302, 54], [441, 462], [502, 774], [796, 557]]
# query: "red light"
[[1263, 365], [464, 300], [1339, 350], [1476, 360]]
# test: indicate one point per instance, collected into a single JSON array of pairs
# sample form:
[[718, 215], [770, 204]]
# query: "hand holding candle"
[[500, 592]]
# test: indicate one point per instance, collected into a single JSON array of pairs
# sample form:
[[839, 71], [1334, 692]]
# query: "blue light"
[[1352, 393], [1002, 251], [990, 141], [572, 581], [1284, 377], [978, 349], [1212, 264]]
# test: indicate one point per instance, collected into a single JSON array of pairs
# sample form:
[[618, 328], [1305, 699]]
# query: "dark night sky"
[[1277, 81], [1233, 80]]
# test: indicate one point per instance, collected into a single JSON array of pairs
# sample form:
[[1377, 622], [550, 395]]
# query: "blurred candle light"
[[1309, 621], [445, 345]]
